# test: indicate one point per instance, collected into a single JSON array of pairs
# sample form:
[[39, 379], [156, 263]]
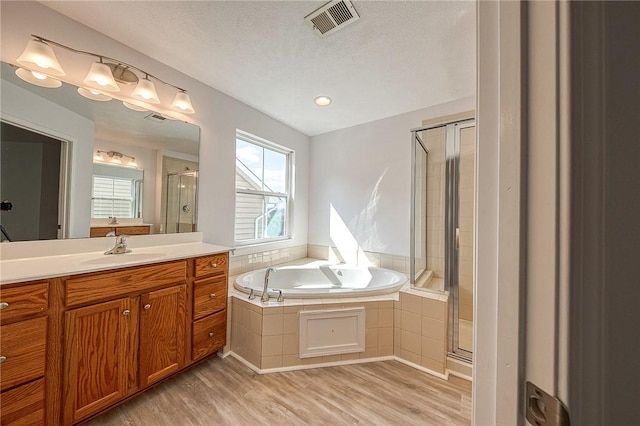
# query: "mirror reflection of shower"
[[443, 191], [179, 201]]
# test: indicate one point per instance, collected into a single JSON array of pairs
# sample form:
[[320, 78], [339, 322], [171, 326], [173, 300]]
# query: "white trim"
[[498, 241], [444, 376], [335, 364]]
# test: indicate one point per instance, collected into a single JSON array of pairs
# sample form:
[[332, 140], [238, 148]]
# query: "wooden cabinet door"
[[97, 357], [162, 333]]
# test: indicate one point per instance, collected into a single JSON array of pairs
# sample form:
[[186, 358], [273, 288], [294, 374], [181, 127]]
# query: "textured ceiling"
[[400, 56]]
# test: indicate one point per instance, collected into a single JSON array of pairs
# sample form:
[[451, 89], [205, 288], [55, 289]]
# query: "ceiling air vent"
[[154, 116], [331, 17]]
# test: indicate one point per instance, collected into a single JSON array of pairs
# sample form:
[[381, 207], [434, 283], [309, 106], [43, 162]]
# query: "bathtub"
[[323, 281]]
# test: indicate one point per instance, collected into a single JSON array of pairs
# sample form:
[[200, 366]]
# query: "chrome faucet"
[[120, 247], [265, 293]]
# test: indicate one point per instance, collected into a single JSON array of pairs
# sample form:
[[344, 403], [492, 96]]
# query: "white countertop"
[[15, 268]]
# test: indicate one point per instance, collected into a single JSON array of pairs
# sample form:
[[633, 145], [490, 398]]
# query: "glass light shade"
[[322, 100], [145, 91], [37, 78], [182, 103], [93, 94], [101, 78], [38, 56], [134, 107]]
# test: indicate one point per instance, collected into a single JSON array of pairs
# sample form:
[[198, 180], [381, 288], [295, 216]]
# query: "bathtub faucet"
[[265, 293]]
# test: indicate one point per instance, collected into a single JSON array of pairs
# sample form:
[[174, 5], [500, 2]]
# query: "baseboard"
[[423, 369], [338, 363]]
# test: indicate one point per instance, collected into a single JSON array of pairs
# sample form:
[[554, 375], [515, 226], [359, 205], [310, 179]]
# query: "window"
[[263, 190], [113, 197]]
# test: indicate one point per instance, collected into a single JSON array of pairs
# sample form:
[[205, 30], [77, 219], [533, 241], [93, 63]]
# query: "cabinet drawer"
[[104, 286], [209, 334], [23, 346], [17, 302], [209, 296], [132, 230], [100, 231], [23, 405], [214, 264]]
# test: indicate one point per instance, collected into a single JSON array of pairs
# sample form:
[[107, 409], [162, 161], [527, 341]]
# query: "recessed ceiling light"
[[322, 100]]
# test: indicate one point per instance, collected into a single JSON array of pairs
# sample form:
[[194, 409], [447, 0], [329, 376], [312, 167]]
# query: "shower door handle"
[[457, 238]]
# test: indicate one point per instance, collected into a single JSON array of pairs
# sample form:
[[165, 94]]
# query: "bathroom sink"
[[110, 259]]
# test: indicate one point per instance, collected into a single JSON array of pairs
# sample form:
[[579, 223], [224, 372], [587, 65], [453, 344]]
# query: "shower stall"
[[181, 209], [442, 221]]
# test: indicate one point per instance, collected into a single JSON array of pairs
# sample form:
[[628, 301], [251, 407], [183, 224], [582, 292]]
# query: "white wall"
[[364, 172], [25, 109], [217, 114]]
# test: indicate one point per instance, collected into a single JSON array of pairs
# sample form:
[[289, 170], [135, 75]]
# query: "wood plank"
[[225, 392]]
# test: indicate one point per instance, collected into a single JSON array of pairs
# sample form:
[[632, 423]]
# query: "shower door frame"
[[452, 177], [412, 235], [452, 247]]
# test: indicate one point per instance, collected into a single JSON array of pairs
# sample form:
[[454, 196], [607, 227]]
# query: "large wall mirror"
[[71, 165]]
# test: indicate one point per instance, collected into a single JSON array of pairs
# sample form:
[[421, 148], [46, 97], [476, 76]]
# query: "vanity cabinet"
[[23, 344], [117, 347], [209, 305], [74, 346]]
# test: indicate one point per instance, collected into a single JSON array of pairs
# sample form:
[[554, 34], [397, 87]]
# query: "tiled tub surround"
[[409, 326]]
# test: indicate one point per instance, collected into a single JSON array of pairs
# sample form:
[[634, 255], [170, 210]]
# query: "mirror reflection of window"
[[116, 192]]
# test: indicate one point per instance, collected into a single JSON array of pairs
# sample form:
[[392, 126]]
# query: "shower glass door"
[[181, 211], [462, 236], [442, 217]]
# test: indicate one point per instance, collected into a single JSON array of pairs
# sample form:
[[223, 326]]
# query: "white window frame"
[[289, 184], [131, 198]]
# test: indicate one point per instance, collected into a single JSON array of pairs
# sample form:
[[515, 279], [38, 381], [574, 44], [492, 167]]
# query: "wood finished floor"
[[226, 392]]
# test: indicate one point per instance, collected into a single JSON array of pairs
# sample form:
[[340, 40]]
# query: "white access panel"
[[331, 332]]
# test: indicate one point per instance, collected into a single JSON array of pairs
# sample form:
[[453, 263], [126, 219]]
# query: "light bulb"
[[38, 75]]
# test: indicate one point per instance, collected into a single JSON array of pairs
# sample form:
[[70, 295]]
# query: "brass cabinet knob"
[[211, 334], [147, 307], [212, 296], [214, 265], [126, 312], [4, 358], [3, 305]]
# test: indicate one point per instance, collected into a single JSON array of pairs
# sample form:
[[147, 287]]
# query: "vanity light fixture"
[[182, 103], [134, 107], [39, 56], [39, 79], [93, 94], [100, 77], [322, 100], [114, 157], [145, 91], [40, 66]]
